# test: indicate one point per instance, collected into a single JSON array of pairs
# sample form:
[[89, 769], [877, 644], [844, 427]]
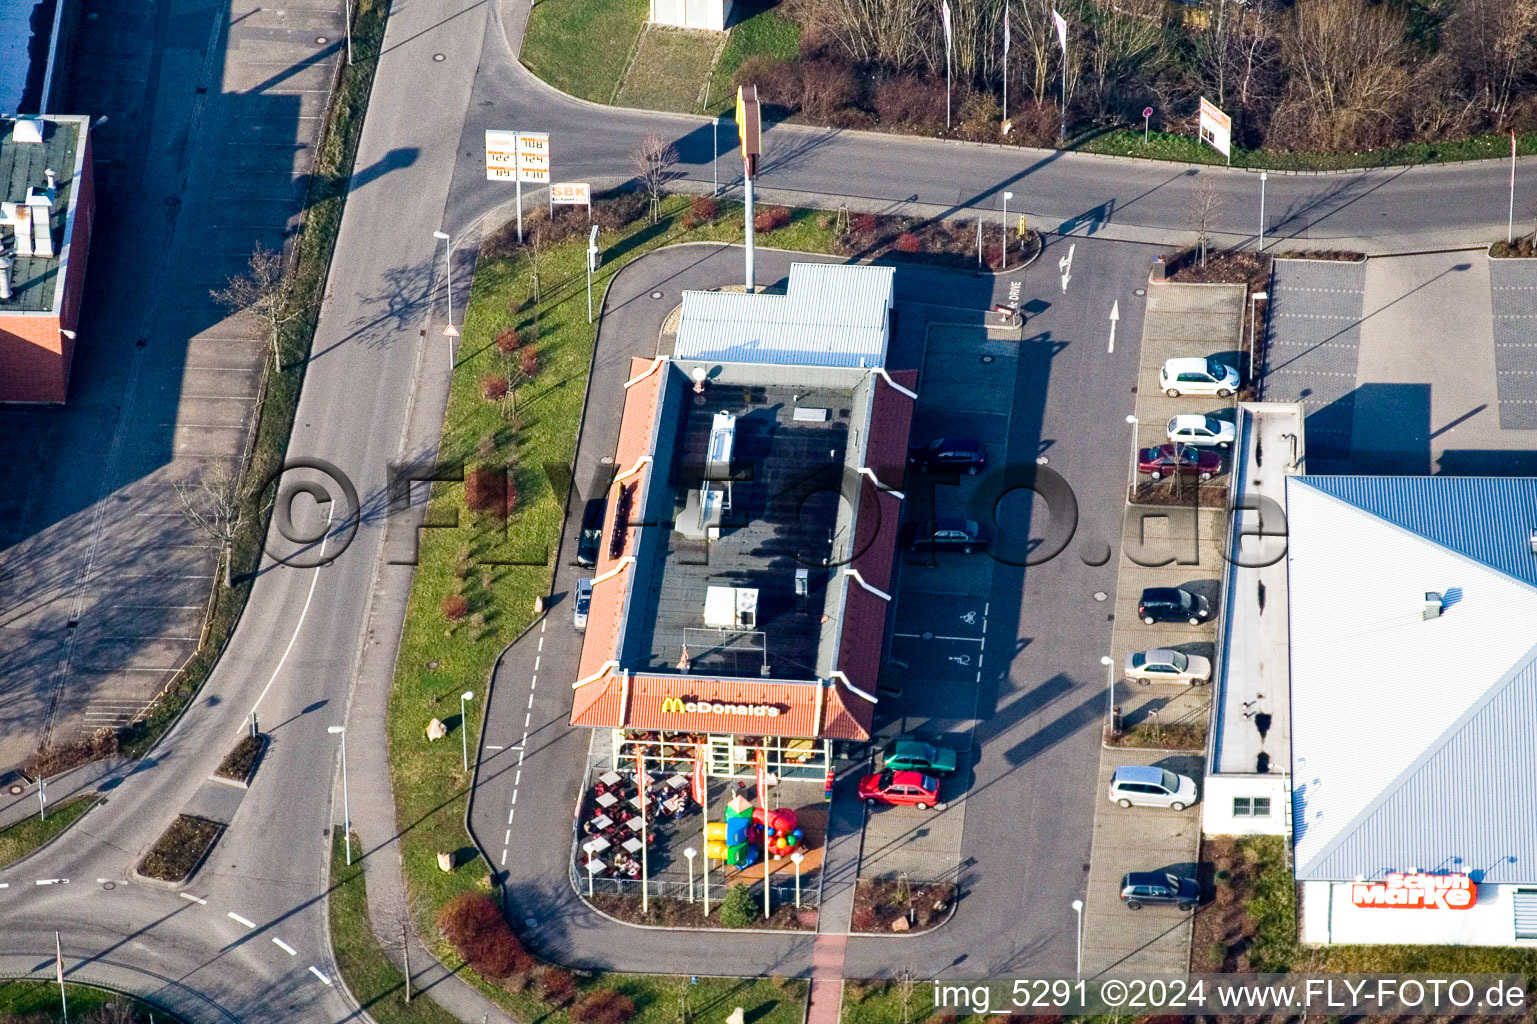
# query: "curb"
[[96, 799], [181, 883]]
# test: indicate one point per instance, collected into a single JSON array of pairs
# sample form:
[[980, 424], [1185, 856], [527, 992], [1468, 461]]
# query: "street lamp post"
[[464, 728], [348, 16], [42, 799], [450, 332], [1109, 664], [714, 137], [796, 859], [690, 853], [1254, 334], [1131, 465], [1006, 197], [1078, 909], [593, 867], [1262, 177], [341, 730]]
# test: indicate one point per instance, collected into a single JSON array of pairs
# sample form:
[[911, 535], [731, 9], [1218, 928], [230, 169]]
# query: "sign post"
[[592, 265], [1216, 129], [1147, 112], [533, 167], [750, 130]]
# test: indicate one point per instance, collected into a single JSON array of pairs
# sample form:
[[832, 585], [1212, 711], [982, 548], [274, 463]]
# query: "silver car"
[[1151, 786], [581, 603], [1166, 665]]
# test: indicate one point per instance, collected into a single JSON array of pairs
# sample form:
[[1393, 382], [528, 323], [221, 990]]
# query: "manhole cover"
[[1140, 291], [17, 789], [656, 295], [109, 886], [1100, 595], [928, 636], [440, 57], [322, 40], [989, 359]]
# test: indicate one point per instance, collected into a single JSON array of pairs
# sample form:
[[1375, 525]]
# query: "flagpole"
[[704, 805], [640, 763], [763, 803], [1005, 63], [58, 960]]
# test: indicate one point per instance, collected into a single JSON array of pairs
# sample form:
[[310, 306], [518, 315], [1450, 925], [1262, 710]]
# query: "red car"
[[1187, 460], [913, 789]]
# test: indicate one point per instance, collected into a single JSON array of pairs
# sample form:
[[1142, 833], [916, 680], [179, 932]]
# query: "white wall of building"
[[713, 15], [1228, 805], [1328, 916]]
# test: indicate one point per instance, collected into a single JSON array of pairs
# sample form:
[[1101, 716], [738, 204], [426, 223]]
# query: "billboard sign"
[[534, 157], [501, 155], [1216, 128], [571, 193], [1417, 891]]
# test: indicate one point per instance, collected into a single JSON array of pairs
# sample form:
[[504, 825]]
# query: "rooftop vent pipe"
[[5, 278]]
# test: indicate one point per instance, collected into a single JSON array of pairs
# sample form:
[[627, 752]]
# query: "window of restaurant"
[[725, 756]]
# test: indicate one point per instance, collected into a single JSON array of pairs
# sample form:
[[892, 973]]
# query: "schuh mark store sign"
[[1417, 891]]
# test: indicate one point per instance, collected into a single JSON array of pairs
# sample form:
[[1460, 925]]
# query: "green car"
[[917, 756]]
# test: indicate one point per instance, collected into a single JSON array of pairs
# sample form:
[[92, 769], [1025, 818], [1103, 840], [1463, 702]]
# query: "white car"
[[1166, 665], [1151, 786], [581, 603], [1197, 376], [1201, 430]]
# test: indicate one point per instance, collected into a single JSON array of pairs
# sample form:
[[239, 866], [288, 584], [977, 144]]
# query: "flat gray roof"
[[1251, 703], [34, 280], [775, 525]]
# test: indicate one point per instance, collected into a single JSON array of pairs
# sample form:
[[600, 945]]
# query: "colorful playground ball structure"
[[739, 840]]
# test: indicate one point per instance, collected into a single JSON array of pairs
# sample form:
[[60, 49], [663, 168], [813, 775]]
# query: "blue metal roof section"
[[1487, 519], [1412, 738]]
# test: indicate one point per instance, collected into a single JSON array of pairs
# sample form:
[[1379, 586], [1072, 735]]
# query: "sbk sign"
[[1417, 891]]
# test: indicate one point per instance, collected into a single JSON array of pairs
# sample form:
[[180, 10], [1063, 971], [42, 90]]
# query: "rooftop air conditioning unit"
[[1433, 605]]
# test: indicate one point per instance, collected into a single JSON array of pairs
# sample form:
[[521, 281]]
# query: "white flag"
[[944, 15], [1005, 33], [1061, 24]]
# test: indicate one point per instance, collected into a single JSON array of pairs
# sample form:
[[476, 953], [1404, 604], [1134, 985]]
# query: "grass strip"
[[27, 835], [581, 46], [1185, 149], [30, 1001], [760, 31], [312, 260], [669, 70], [180, 848], [374, 980]]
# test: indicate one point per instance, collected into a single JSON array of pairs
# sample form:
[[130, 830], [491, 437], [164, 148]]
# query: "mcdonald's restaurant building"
[[744, 568]]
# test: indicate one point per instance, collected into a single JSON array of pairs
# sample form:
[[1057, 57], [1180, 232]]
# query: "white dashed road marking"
[[236, 917], [285, 947], [195, 899], [316, 972]]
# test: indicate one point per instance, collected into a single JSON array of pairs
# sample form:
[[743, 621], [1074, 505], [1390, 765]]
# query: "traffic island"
[[180, 850], [896, 905], [239, 766]]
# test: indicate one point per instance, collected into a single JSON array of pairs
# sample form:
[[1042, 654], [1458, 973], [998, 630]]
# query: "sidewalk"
[[97, 776]]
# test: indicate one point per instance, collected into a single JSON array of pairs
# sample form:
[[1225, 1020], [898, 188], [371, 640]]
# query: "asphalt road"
[[1391, 210], [418, 169]]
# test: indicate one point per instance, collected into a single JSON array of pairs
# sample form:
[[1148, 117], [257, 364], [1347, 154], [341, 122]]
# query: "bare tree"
[[215, 505], [1206, 205], [906, 982], [1494, 45], [901, 34], [1348, 74], [264, 289], [653, 161], [1125, 46]]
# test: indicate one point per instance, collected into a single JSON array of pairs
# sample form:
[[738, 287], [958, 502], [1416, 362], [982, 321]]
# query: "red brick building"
[[744, 574], [49, 200]]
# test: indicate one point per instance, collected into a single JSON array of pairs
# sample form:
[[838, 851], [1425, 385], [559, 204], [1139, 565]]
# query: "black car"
[[1172, 604], [1148, 888], [949, 453], [960, 534], [592, 533]]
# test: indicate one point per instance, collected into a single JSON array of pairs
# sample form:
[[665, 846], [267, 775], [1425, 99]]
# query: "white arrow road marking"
[[316, 972], [195, 899], [236, 917], [1115, 316], [1065, 264], [285, 947]]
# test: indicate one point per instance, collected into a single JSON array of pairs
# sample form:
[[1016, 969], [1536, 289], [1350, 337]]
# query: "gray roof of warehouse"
[[831, 315], [1411, 737]]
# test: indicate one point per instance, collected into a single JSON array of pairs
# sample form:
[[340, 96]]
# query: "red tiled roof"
[[605, 614]]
